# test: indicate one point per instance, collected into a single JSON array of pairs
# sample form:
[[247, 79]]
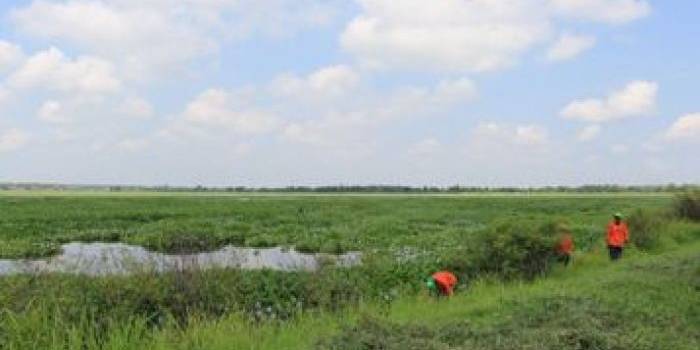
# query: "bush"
[[687, 205], [515, 250], [646, 227]]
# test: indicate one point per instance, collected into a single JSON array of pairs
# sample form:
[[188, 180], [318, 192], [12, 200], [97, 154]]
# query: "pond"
[[102, 259]]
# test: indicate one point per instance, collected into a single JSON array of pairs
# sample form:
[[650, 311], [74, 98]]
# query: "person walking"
[[442, 283], [617, 237]]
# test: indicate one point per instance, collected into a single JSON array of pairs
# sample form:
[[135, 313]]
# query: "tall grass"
[[687, 205], [645, 302]]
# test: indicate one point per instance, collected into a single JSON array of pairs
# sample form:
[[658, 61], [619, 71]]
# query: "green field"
[[35, 224], [512, 294]]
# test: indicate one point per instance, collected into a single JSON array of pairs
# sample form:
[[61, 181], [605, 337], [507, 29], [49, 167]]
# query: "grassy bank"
[[644, 302]]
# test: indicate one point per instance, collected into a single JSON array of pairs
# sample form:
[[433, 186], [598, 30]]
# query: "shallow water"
[[100, 259]]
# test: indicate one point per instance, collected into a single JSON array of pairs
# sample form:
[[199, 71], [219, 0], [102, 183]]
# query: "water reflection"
[[99, 259]]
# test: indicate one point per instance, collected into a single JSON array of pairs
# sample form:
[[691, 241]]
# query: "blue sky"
[[320, 92]]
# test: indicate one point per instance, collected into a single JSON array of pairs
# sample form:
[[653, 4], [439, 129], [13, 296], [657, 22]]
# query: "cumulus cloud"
[[685, 128], [609, 11], [333, 81], [133, 144], [588, 133], [136, 107], [502, 147], [500, 133], [10, 55], [569, 46], [471, 36], [53, 112], [452, 35], [5, 95], [52, 70], [530, 135], [344, 124], [619, 149], [220, 108], [425, 147], [636, 99], [149, 38], [12, 139]]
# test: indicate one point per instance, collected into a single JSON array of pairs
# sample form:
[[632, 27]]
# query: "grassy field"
[[512, 295], [35, 224]]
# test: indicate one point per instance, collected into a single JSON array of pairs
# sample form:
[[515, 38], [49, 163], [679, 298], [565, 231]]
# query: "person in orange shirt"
[[442, 283], [617, 237], [565, 248]]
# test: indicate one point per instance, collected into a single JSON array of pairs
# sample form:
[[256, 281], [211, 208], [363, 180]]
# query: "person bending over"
[[442, 283]]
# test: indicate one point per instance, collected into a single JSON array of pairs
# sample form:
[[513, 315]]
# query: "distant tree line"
[[359, 189]]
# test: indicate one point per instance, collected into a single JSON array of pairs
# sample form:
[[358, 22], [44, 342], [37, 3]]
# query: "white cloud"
[[686, 127], [497, 148], [425, 147], [531, 135], [5, 95], [569, 46], [619, 149], [53, 112], [10, 55], [455, 91], [500, 133], [636, 99], [335, 130], [471, 36], [609, 11], [12, 139], [51, 69], [588, 133], [151, 38], [333, 109], [451, 35], [336, 106], [133, 144], [351, 123], [219, 108], [333, 81], [137, 107]]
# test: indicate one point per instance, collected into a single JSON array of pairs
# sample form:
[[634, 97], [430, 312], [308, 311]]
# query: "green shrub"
[[687, 205], [515, 250], [646, 227]]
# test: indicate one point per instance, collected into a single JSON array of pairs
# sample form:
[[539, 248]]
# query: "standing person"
[[565, 248], [618, 235], [442, 283]]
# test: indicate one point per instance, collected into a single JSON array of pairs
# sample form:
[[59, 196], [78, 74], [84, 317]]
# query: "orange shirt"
[[446, 281], [617, 234], [566, 244]]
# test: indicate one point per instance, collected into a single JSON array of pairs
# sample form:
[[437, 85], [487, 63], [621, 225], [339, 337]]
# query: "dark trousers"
[[615, 252], [564, 258]]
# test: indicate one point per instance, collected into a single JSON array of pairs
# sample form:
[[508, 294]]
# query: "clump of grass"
[[646, 227], [23, 249], [308, 247], [333, 247], [687, 205]]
